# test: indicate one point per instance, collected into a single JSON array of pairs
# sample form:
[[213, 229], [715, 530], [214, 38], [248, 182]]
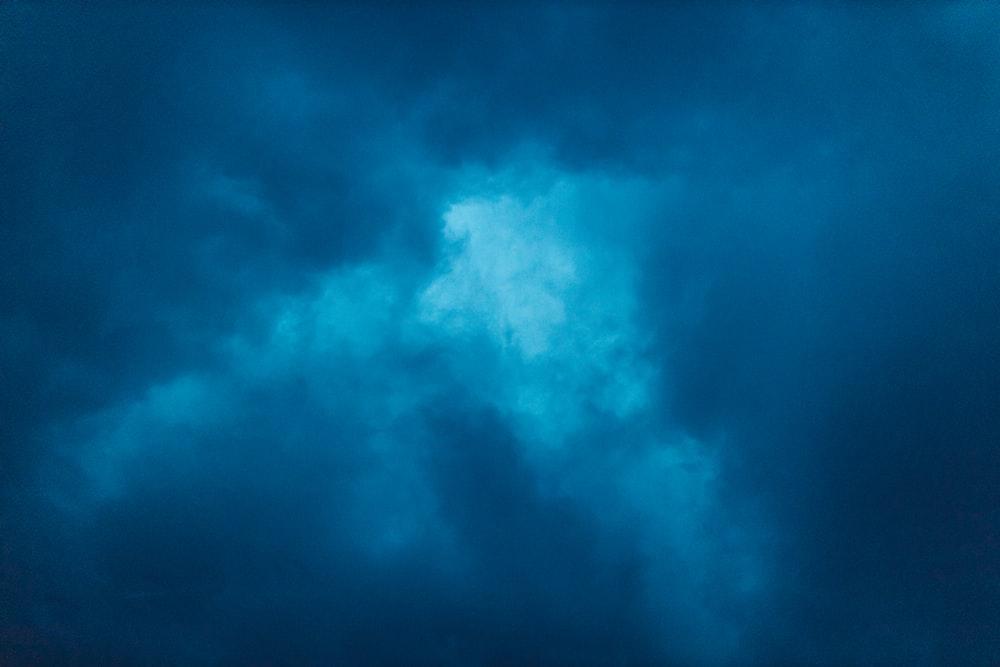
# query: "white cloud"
[[557, 305], [534, 308], [506, 274]]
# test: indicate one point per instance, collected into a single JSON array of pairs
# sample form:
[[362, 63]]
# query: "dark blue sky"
[[466, 336]]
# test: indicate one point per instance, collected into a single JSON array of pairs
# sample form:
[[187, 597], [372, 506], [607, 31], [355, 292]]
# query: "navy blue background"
[[460, 335]]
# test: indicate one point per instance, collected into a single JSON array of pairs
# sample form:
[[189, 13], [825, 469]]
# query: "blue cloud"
[[568, 335]]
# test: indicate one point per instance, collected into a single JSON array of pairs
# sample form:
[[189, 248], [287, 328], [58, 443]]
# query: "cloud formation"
[[483, 336]]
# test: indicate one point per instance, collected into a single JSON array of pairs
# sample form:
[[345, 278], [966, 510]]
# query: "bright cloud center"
[[507, 275]]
